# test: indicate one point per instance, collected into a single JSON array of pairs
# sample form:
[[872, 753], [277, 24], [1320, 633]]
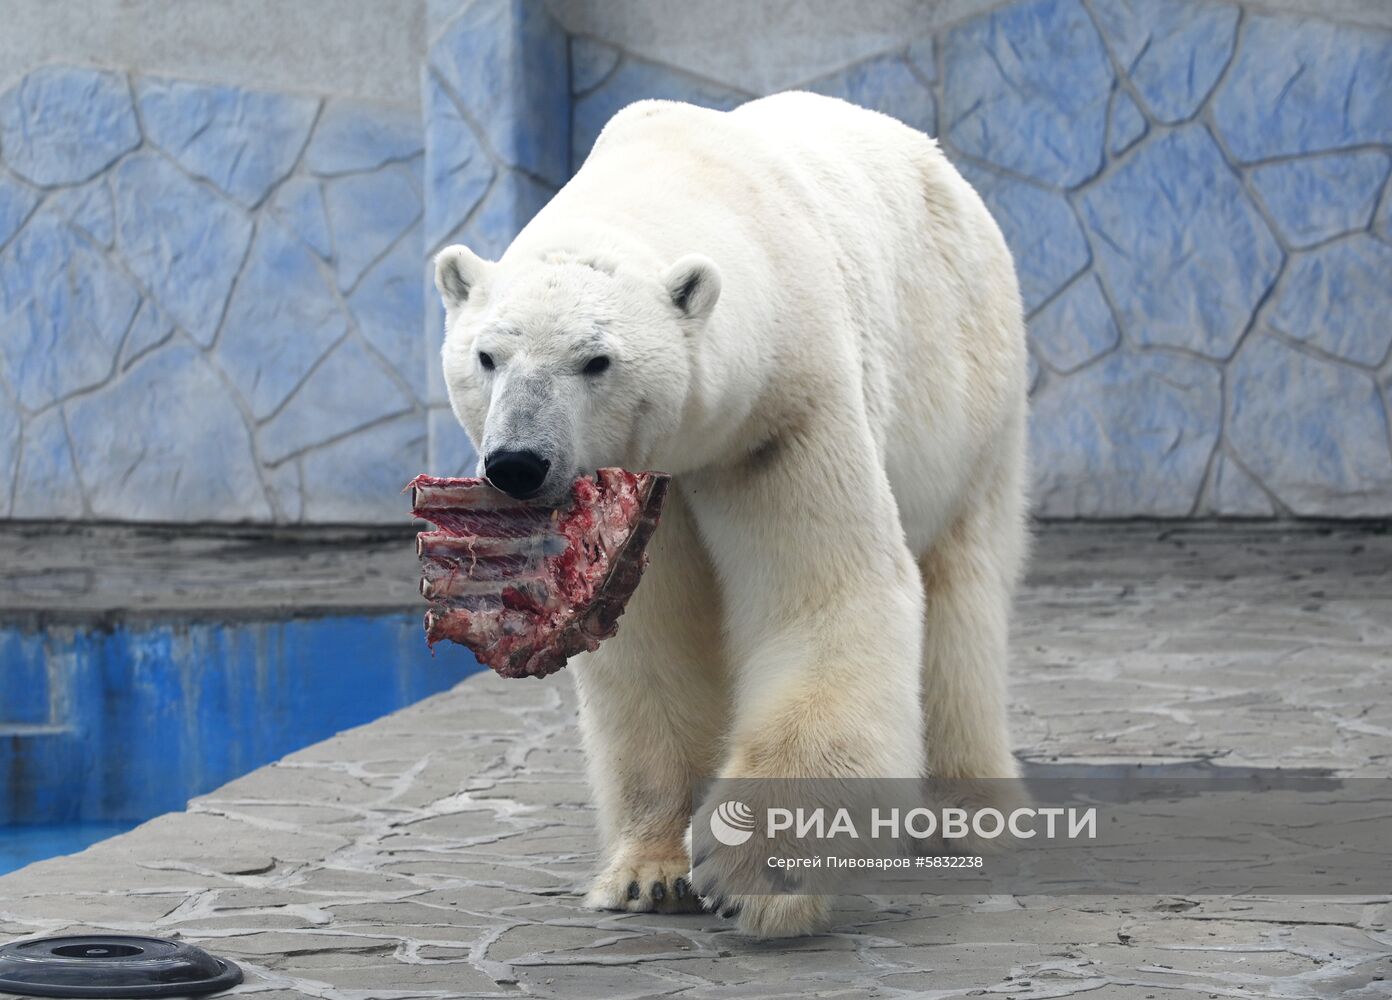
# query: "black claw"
[[659, 892], [681, 887], [634, 891], [729, 911]]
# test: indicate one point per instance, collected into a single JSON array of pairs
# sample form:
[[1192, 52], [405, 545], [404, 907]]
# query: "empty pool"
[[139, 668]]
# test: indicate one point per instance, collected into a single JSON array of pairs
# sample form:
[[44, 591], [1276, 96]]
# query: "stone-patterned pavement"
[[438, 852]]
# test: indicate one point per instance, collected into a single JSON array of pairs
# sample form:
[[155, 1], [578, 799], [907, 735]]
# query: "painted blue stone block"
[[507, 61], [282, 319], [348, 391], [62, 125], [1314, 432], [590, 63], [11, 421], [637, 80], [457, 170], [47, 485], [1237, 494], [1130, 435], [354, 136], [1040, 228], [508, 206], [179, 238], [166, 442], [884, 84], [389, 307], [435, 392], [63, 309], [244, 141], [89, 208], [1323, 196], [299, 203], [1128, 124], [368, 213], [921, 58], [360, 477], [1174, 51], [1075, 328], [1302, 86], [1026, 88], [451, 451], [150, 328], [1339, 298], [16, 202], [438, 14], [1183, 252], [283, 486]]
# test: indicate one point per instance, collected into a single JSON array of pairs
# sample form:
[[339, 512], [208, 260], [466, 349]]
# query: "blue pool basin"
[[105, 726]]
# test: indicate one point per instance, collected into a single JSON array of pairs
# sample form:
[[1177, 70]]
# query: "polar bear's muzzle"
[[528, 437]]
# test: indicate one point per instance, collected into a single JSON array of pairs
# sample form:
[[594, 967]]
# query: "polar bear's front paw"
[[781, 913], [644, 885], [779, 916]]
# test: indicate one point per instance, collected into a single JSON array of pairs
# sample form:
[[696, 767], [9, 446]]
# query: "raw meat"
[[526, 587]]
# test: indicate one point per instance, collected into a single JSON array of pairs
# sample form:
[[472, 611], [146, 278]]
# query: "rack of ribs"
[[526, 587]]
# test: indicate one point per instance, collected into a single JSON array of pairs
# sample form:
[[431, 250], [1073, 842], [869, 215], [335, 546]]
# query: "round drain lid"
[[112, 965]]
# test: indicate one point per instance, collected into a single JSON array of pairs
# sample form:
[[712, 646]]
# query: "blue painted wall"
[[1197, 197], [198, 277], [128, 722], [1196, 193]]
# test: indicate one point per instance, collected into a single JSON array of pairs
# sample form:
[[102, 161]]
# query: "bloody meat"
[[526, 587]]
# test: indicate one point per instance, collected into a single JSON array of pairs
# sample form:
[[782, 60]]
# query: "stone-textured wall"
[[1196, 195], [497, 110], [212, 297], [210, 301]]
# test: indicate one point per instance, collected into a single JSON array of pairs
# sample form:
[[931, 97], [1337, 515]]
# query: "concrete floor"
[[438, 852]]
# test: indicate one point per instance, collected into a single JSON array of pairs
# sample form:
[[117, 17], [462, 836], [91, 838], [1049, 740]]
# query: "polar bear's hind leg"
[[969, 576]]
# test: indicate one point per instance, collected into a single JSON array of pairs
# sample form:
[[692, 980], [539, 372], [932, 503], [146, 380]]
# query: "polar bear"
[[802, 312]]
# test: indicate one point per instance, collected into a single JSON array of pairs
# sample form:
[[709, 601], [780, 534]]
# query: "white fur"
[[840, 395]]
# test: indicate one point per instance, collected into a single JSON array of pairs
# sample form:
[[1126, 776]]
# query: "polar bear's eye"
[[596, 365], [486, 360]]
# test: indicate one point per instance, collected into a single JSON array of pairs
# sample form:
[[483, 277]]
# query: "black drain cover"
[[112, 965]]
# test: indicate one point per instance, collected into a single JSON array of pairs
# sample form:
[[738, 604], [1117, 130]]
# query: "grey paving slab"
[[76, 571], [440, 851]]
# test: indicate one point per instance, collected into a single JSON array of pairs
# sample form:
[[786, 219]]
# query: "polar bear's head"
[[564, 364]]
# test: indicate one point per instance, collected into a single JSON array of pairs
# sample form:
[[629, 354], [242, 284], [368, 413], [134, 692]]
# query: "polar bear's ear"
[[458, 272], [693, 282]]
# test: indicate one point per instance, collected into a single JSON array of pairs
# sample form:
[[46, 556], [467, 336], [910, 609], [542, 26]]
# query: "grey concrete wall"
[[1362, 13], [769, 45], [764, 46], [367, 49]]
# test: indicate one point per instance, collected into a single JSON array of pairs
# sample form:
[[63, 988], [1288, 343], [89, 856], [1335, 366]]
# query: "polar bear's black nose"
[[519, 474]]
